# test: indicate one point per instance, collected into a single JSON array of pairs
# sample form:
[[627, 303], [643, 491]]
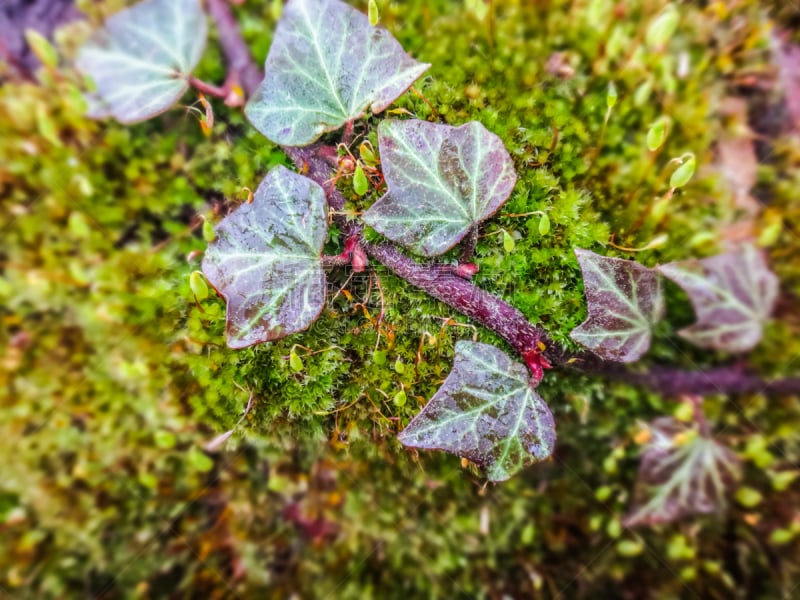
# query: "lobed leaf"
[[733, 295], [486, 411], [142, 57], [682, 473], [326, 66], [624, 301], [266, 262], [441, 180]]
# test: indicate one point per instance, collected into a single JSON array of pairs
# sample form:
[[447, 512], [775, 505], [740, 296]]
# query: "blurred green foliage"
[[113, 376]]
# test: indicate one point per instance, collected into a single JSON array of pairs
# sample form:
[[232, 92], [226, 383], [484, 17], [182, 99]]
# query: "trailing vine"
[[328, 68]]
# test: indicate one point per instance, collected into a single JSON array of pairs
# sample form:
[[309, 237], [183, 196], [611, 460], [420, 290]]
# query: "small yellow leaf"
[[198, 284], [374, 15], [43, 50]]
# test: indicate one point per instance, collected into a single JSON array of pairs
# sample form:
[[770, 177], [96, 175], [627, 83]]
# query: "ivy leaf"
[[624, 300], [486, 411], [142, 57], [682, 473], [733, 295], [266, 261], [326, 66], [441, 180]]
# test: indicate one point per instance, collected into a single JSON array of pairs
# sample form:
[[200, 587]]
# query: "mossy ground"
[[113, 377]]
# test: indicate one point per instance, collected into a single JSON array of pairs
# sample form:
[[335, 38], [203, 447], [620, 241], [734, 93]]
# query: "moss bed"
[[112, 377]]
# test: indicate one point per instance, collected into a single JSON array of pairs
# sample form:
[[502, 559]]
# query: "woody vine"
[[329, 67]]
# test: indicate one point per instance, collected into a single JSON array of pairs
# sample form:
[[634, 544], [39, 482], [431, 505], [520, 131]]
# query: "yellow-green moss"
[[113, 377]]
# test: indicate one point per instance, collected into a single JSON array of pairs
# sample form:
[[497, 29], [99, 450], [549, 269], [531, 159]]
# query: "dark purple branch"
[[479, 305], [318, 162], [720, 380], [241, 67]]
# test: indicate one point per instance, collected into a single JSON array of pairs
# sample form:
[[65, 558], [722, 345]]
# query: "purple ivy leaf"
[[486, 411], [682, 473], [142, 57], [733, 295], [326, 66], [624, 301], [442, 181], [266, 260]]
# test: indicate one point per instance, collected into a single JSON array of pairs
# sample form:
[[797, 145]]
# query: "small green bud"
[[379, 357], [400, 399], [712, 566], [610, 464], [783, 479], [642, 93], [374, 15], [368, 155], [544, 225], [198, 284], [701, 238], [771, 231], [781, 536], [603, 493], [200, 460], [148, 480], [295, 362], [629, 548], [748, 497], [276, 9], [508, 242], [47, 126], [360, 185], [662, 28], [595, 522], [614, 528], [164, 440], [399, 367], [657, 242], [43, 50], [683, 174], [657, 134], [208, 232], [79, 225], [479, 8], [611, 95], [659, 210], [684, 412]]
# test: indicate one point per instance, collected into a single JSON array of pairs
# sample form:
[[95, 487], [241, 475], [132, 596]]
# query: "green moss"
[[115, 378]]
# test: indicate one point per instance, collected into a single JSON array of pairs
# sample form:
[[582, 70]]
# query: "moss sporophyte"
[[385, 188]]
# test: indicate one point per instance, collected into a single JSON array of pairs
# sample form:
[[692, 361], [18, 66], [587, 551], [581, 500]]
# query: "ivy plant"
[[684, 471], [141, 61], [266, 260], [442, 181], [329, 67]]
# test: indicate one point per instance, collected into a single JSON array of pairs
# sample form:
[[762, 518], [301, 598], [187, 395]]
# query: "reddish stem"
[[207, 88]]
